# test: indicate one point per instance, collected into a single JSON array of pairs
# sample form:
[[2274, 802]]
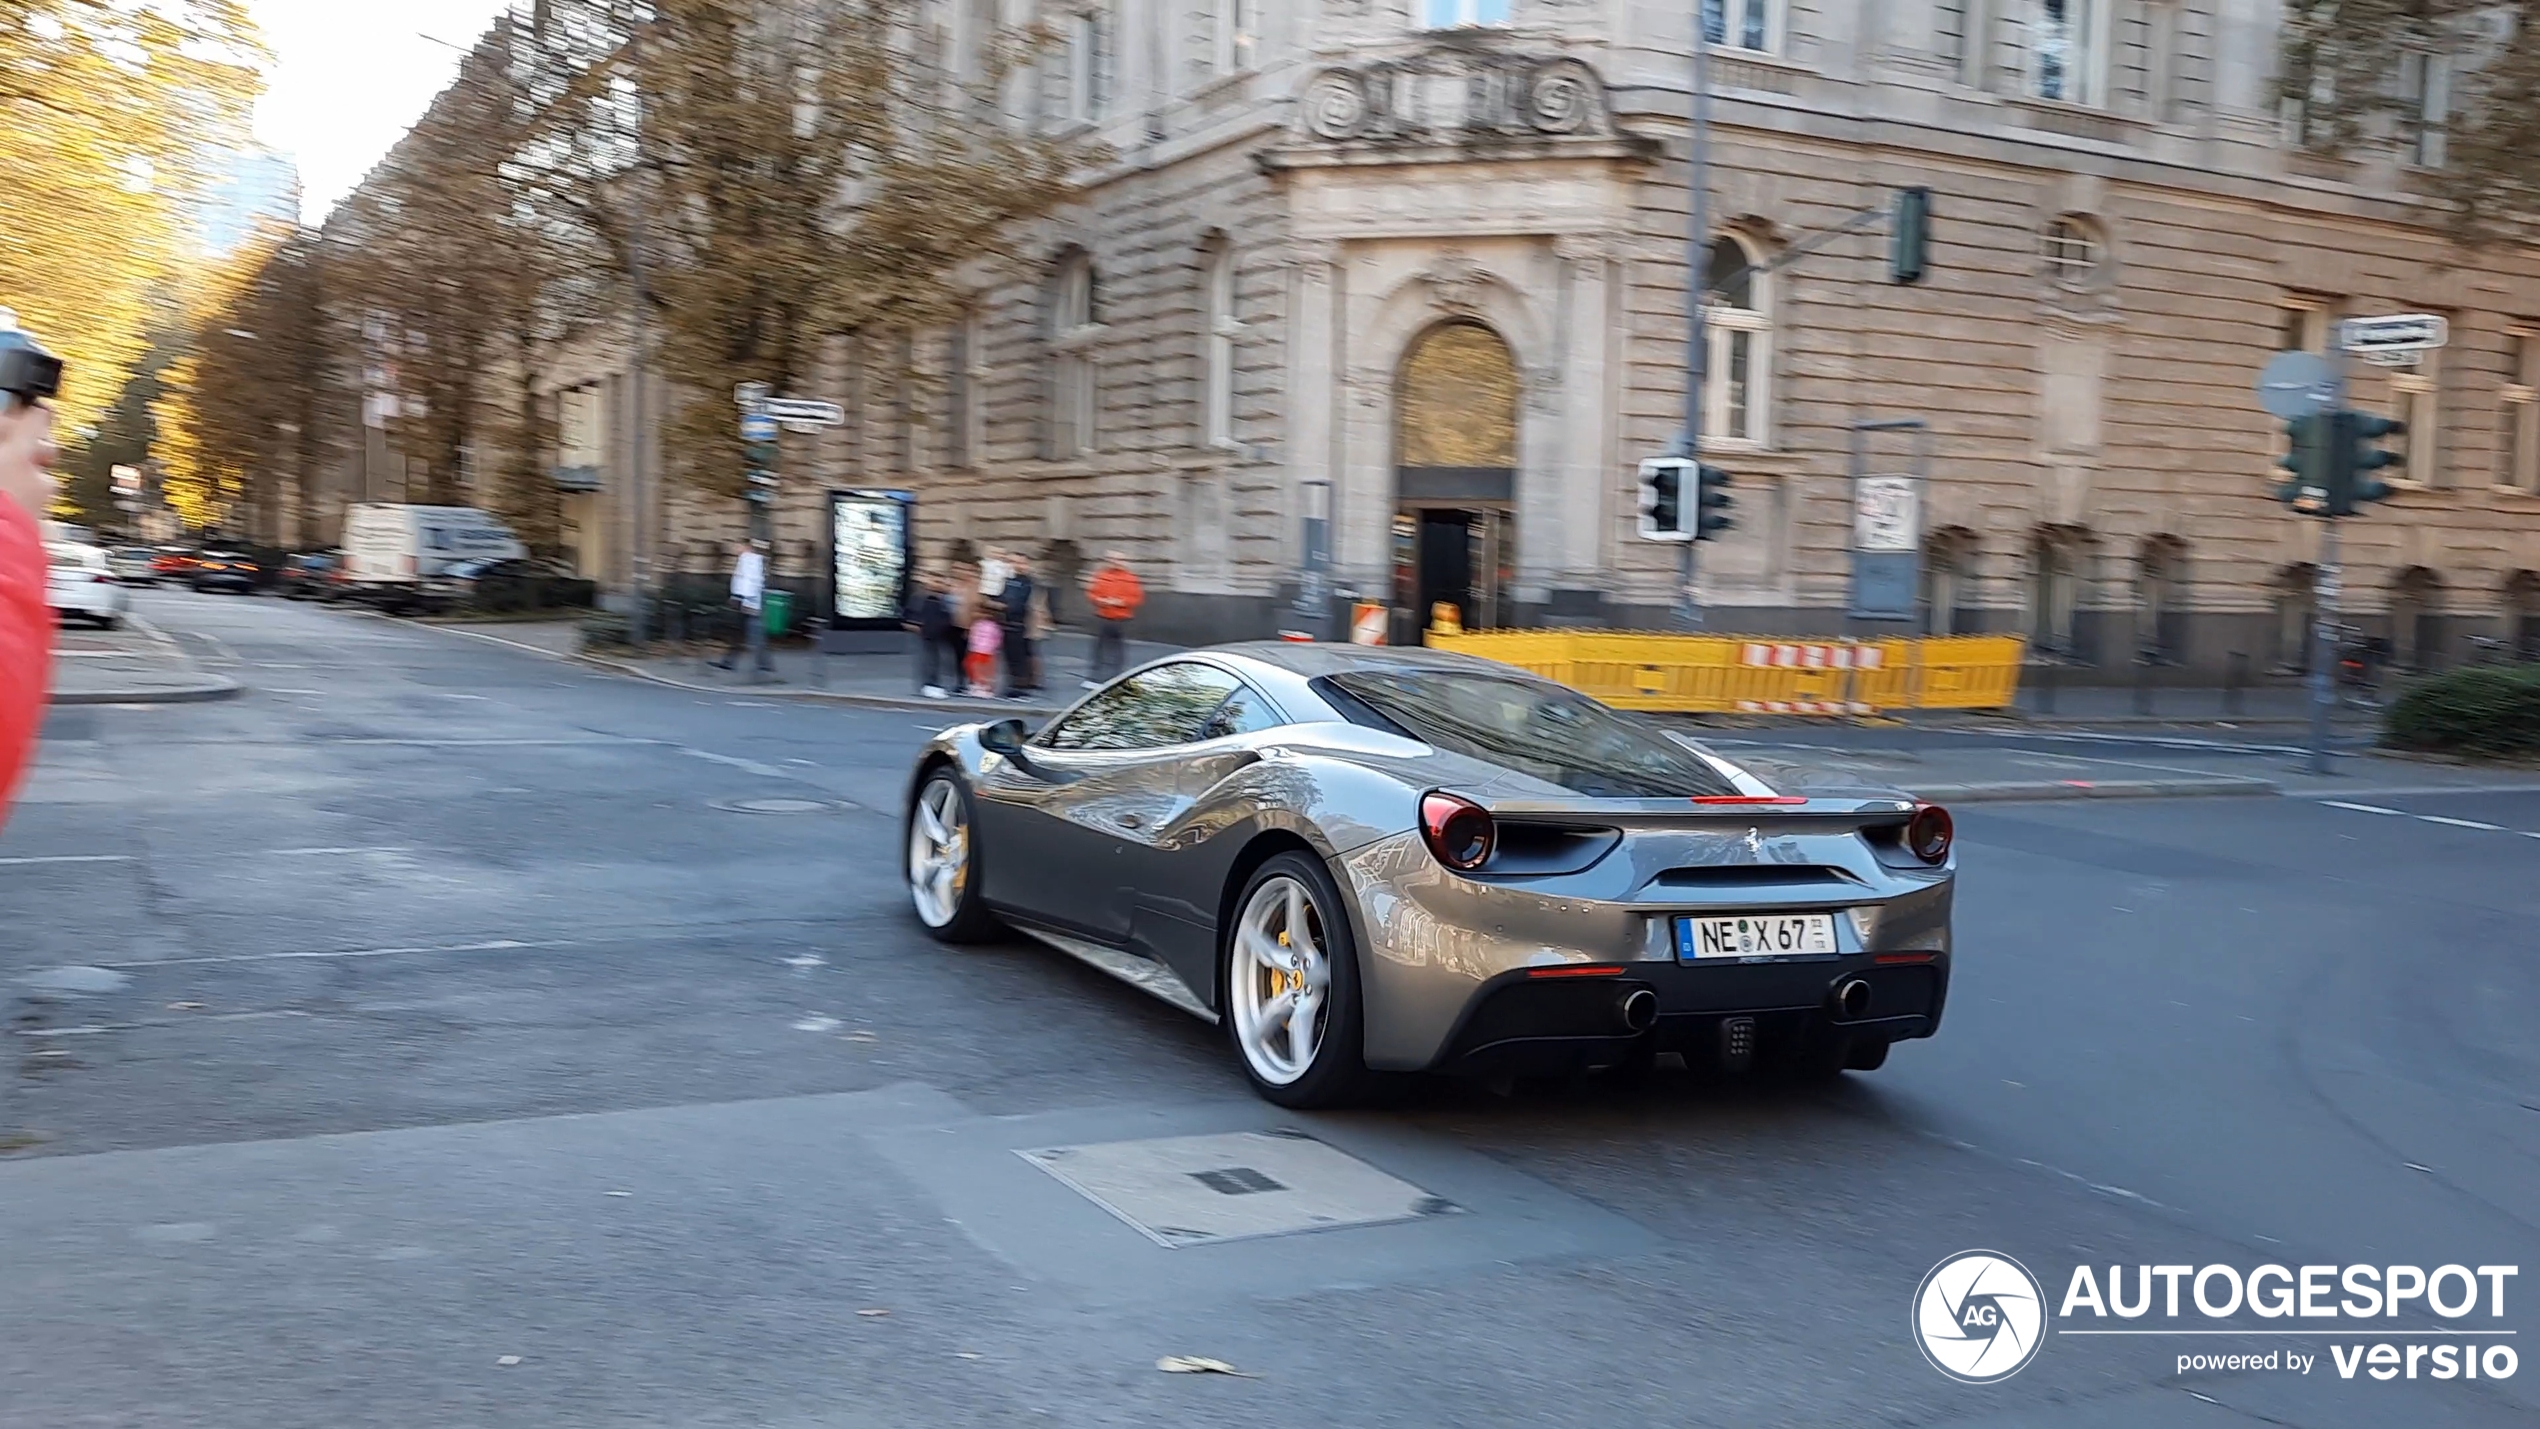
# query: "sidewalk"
[[884, 680], [2273, 703], [136, 665]]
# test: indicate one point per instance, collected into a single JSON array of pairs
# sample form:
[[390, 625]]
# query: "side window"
[[1165, 705], [1244, 712]]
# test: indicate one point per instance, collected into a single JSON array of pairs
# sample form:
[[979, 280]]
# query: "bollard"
[[2142, 684], [2235, 679]]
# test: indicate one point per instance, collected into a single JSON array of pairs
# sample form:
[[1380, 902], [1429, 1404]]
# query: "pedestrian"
[[1115, 594], [930, 623], [1014, 612], [29, 377], [986, 635], [749, 596]]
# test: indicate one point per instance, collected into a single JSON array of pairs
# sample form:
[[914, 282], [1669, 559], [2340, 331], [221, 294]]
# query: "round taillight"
[[1458, 831], [1928, 833]]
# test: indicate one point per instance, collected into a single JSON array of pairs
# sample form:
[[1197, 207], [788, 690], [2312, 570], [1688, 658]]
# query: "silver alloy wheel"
[[938, 853], [1282, 981]]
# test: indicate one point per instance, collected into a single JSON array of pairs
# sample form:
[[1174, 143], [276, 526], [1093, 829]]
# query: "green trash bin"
[[779, 609]]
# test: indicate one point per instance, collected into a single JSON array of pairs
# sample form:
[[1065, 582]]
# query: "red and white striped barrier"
[[1810, 657], [1817, 707]]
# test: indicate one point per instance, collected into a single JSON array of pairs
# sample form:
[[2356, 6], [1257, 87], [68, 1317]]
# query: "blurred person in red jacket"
[[29, 377], [1115, 594]]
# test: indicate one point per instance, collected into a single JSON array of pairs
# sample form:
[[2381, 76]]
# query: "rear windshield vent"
[[1764, 875]]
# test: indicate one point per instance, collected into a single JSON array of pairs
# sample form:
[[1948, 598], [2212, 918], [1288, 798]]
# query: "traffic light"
[[1712, 505], [2354, 454], [1662, 499], [1909, 235], [2306, 461]]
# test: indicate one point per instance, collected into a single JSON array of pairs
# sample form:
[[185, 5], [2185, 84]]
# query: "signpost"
[[761, 415]]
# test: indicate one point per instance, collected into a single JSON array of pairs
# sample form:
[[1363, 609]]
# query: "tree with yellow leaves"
[[106, 109]]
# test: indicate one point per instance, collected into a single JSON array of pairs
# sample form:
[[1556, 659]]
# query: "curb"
[[780, 692], [2055, 791], [789, 692], [216, 687]]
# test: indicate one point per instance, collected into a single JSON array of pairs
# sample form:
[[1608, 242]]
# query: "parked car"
[[134, 565], [318, 575], [224, 570], [393, 551], [173, 563], [80, 585], [516, 583]]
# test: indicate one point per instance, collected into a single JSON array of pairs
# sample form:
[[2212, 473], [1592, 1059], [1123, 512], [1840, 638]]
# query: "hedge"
[[2483, 709]]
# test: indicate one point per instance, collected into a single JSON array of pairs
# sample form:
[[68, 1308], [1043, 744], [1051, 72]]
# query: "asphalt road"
[[435, 1036]]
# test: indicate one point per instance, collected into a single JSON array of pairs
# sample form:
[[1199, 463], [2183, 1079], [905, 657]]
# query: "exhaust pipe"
[[1638, 1009], [1852, 999]]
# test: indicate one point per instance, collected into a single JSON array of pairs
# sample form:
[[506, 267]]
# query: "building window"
[[2302, 327], [1217, 395], [2072, 252], [1738, 361], [1075, 387], [2412, 401], [1238, 21], [961, 392], [1738, 24], [2518, 417], [1087, 57], [580, 436], [1456, 14], [2067, 60], [2425, 86]]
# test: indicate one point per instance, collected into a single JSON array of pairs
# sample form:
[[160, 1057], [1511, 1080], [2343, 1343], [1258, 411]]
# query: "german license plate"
[[1788, 935]]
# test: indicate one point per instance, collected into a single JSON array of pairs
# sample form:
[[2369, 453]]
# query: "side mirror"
[[1004, 737]]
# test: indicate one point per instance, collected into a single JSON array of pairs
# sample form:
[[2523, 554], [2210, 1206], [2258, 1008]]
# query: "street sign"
[[750, 394], [2400, 332], [2295, 385], [757, 427], [803, 412]]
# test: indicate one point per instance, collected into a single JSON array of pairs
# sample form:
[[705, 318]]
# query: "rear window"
[[1553, 734]]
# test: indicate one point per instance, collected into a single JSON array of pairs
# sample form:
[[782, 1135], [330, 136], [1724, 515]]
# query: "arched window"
[[1217, 341], [1738, 365], [1075, 383]]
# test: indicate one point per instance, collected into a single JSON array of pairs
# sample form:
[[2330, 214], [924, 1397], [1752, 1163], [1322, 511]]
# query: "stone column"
[[1313, 393], [1571, 548]]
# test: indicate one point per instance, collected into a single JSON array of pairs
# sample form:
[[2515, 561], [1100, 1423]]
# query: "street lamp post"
[[1688, 612]]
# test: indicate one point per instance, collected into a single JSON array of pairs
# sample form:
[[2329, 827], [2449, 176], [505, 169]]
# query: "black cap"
[[27, 371]]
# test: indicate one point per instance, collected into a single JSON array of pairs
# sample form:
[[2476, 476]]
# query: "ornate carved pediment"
[[1455, 99]]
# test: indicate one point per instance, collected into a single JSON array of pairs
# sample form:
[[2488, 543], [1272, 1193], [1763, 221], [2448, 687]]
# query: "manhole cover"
[[1197, 1190], [781, 806]]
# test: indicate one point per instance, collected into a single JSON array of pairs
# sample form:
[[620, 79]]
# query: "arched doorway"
[[2295, 600], [1455, 475], [2160, 581], [1949, 576], [2054, 589], [2522, 614], [2416, 619]]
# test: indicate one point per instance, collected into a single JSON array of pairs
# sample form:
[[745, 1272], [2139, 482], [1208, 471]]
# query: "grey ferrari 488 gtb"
[[1366, 860]]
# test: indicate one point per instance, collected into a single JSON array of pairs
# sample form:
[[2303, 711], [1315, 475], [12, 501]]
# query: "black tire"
[[971, 922], [1339, 1075]]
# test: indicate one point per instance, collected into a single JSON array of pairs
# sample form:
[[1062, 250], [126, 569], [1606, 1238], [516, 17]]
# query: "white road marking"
[[747, 766], [498, 945], [2361, 808], [278, 690], [317, 852], [817, 1022], [2462, 823], [67, 858]]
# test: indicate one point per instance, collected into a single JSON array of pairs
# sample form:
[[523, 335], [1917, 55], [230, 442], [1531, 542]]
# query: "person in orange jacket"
[[1115, 595], [29, 377]]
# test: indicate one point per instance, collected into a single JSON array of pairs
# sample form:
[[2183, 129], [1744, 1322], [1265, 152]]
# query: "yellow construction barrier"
[[1754, 674]]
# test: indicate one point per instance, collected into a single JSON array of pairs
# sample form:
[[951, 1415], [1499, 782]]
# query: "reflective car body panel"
[[1143, 850]]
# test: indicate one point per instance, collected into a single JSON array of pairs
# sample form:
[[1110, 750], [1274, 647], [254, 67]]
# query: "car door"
[[1065, 835], [1173, 879]]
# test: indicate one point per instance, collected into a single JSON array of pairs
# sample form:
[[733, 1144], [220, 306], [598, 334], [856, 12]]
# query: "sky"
[[349, 76]]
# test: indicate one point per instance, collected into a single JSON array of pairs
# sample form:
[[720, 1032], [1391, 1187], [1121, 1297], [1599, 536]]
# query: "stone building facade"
[[1418, 267]]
